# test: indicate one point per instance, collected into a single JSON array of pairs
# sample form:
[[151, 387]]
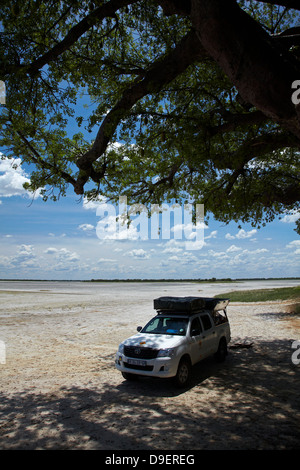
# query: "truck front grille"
[[140, 353], [138, 367]]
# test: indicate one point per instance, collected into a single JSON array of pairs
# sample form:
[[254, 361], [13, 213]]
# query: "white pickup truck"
[[184, 331]]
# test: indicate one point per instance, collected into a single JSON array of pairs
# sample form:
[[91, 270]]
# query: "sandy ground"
[[59, 388]]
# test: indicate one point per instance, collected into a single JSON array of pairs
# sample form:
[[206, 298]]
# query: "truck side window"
[[196, 327], [206, 322]]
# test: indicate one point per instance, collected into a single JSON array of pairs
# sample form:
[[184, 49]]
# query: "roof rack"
[[189, 305]]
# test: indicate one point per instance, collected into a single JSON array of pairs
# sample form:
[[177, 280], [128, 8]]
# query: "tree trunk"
[[262, 72]]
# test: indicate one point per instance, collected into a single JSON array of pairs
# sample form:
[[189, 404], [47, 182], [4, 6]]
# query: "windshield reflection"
[[166, 326]]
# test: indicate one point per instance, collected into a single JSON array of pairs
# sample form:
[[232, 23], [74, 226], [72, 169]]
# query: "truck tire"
[[222, 351], [128, 376], [184, 373]]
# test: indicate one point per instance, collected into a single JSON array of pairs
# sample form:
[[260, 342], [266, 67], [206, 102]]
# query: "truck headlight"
[[169, 352], [121, 348]]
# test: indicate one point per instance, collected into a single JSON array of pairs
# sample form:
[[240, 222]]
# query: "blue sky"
[[58, 240]]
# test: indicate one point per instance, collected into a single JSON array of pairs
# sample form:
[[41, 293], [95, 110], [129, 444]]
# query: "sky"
[[71, 239]]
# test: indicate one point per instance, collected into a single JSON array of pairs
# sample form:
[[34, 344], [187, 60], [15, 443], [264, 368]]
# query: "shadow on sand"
[[249, 402]]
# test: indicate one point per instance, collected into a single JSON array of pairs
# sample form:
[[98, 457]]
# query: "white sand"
[[59, 388]]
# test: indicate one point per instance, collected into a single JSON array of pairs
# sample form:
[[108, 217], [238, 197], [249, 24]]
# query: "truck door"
[[209, 335], [196, 340]]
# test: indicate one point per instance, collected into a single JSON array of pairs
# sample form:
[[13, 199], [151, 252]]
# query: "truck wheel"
[[184, 373], [222, 351], [128, 376]]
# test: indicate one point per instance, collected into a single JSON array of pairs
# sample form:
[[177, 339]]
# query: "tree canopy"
[[191, 100]]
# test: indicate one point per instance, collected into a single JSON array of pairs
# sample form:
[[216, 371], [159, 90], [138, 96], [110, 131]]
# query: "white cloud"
[[12, 177], [50, 251], [213, 234], [164, 264], [172, 246], [106, 260], [94, 204], [233, 248], [112, 228], [236, 260], [218, 254], [291, 217], [5, 262], [178, 229], [294, 244], [139, 254], [86, 227], [188, 231], [188, 258], [62, 254], [25, 257], [172, 249], [256, 252], [243, 234], [229, 237], [66, 255], [25, 250]]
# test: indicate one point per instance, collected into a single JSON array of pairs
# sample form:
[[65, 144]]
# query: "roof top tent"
[[189, 305]]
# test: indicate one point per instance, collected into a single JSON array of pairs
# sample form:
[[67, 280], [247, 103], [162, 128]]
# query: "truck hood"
[[154, 341]]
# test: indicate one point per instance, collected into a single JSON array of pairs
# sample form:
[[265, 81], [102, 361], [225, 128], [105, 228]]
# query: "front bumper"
[[158, 367]]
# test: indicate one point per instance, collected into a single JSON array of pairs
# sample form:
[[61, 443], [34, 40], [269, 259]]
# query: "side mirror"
[[195, 332], [139, 328]]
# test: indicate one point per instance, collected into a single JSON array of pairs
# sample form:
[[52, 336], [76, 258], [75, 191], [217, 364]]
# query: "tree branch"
[[37, 159], [283, 3], [179, 7], [289, 37], [262, 72], [287, 195], [235, 121], [162, 72], [104, 11], [257, 147]]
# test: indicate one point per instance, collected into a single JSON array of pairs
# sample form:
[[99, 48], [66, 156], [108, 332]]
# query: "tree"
[[192, 99]]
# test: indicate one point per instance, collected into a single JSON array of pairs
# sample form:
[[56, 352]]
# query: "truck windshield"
[[167, 326]]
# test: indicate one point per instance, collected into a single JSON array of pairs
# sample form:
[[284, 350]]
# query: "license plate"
[[136, 362]]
